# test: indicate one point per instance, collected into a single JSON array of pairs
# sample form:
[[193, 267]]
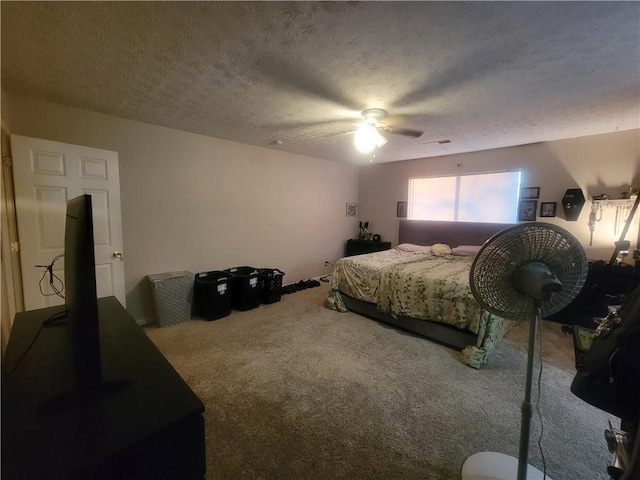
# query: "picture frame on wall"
[[529, 192], [527, 210], [548, 209], [352, 209], [401, 209]]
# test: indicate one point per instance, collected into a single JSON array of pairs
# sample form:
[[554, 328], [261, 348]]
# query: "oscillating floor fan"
[[524, 272]]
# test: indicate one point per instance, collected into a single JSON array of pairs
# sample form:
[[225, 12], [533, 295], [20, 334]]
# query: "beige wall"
[[197, 203], [607, 163]]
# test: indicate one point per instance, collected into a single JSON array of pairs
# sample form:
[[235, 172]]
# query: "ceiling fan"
[[369, 136]]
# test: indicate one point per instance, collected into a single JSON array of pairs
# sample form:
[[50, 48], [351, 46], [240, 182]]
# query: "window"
[[486, 197]]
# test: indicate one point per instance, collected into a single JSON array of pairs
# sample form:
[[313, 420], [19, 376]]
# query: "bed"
[[422, 285]]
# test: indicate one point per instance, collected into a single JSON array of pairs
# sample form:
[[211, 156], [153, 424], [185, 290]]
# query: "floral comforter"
[[359, 276], [423, 286]]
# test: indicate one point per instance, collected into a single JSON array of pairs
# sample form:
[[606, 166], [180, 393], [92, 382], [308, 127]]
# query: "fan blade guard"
[[501, 258]]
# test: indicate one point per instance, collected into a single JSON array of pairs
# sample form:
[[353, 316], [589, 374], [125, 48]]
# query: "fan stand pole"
[[498, 466], [525, 409]]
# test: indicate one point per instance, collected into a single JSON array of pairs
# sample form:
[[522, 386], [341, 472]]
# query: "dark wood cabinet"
[[358, 247], [151, 429]]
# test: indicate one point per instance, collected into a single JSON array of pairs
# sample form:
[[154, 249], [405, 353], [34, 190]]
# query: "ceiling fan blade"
[[342, 134], [302, 79], [302, 124], [406, 131]]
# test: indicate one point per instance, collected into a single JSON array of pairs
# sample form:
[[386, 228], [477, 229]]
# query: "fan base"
[[496, 466]]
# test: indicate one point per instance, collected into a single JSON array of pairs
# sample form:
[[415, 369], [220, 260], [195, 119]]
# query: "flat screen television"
[[81, 299], [81, 311]]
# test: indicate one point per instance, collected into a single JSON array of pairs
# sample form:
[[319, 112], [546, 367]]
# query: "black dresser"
[[151, 429]]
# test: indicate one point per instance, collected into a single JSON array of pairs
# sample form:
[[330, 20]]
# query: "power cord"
[[55, 284], [57, 287]]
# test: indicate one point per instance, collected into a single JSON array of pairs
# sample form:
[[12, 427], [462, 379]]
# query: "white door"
[[46, 175]]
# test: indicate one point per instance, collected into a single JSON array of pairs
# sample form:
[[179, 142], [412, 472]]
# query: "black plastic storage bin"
[[270, 285], [212, 294], [245, 287]]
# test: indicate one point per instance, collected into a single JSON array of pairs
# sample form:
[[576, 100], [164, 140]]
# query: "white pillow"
[[466, 250], [410, 247], [440, 249]]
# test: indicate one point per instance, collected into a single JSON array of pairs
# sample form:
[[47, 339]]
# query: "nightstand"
[[358, 247]]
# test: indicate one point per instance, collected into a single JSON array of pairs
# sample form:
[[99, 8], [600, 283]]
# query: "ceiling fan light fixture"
[[367, 138]]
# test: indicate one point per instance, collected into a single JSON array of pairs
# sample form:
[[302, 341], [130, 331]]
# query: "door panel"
[[50, 210]]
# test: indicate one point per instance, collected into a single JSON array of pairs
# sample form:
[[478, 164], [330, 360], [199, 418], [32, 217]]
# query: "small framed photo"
[[352, 209], [401, 209], [527, 210], [529, 192], [548, 209]]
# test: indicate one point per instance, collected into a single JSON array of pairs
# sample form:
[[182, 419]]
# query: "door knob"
[[117, 254]]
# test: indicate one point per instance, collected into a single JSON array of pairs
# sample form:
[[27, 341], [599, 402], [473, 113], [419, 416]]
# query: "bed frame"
[[427, 232]]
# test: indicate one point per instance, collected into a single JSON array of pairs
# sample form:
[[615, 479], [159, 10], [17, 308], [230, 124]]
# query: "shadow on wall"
[[613, 191], [548, 166], [140, 302]]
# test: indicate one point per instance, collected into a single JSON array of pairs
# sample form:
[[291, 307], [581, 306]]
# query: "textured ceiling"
[[481, 74]]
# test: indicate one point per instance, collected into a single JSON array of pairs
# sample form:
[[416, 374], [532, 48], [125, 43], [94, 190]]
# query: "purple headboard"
[[428, 232]]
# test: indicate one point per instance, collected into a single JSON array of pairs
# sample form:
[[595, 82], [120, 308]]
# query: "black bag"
[[609, 377]]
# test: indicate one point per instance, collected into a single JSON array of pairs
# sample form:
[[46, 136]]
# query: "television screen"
[[80, 291]]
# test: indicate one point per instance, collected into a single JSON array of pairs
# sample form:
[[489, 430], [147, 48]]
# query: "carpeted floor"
[[294, 390]]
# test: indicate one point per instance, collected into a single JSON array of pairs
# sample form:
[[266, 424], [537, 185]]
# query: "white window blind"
[[486, 197]]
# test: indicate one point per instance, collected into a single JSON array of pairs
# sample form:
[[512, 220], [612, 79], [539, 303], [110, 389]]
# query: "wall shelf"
[[613, 203]]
